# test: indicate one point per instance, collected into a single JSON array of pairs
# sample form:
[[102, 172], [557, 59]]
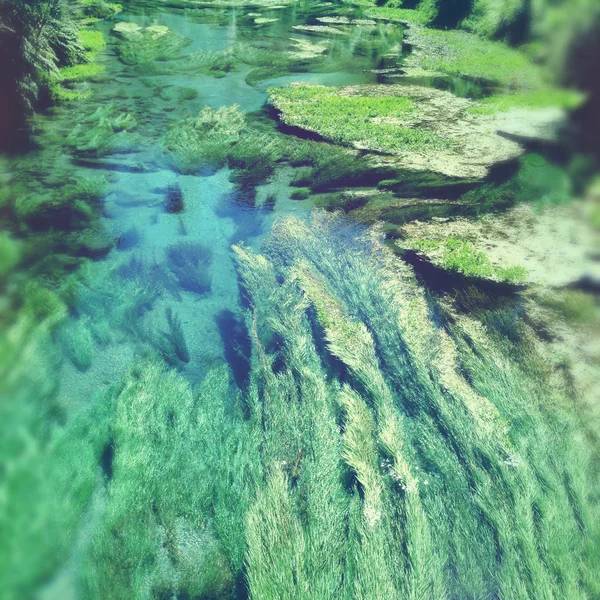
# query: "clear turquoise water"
[[217, 214]]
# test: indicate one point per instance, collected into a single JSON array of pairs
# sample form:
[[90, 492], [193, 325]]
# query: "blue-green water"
[[217, 213]]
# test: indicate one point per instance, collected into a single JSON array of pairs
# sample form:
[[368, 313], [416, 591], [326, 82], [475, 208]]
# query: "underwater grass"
[[190, 263], [171, 451], [369, 452], [207, 138]]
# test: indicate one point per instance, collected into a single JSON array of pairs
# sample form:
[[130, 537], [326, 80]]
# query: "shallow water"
[[216, 213]]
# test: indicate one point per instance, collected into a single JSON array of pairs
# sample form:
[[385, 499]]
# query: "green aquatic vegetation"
[[143, 48], [171, 344], [344, 201], [537, 181], [457, 254], [538, 99], [91, 242], [120, 295], [77, 343], [215, 64], [49, 462], [301, 193], [509, 20], [100, 9], [372, 122], [255, 155], [575, 306], [207, 138], [83, 72], [370, 449], [174, 451], [460, 53], [92, 41], [396, 14], [186, 94], [10, 253], [72, 206], [102, 132], [423, 487], [190, 263], [61, 86]]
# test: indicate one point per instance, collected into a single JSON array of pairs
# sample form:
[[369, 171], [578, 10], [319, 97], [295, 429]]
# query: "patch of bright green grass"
[[461, 53], [82, 72], [457, 254], [301, 193], [362, 121], [543, 98], [92, 41]]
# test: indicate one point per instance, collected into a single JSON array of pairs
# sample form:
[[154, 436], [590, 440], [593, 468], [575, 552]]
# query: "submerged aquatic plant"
[[144, 47], [174, 201], [171, 344], [206, 138], [102, 132], [190, 263]]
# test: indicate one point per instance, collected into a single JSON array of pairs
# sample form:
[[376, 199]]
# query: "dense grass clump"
[[368, 454], [458, 254], [465, 54], [207, 138], [163, 532], [370, 122]]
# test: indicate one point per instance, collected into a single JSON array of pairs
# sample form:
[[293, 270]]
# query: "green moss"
[[61, 94], [363, 121], [92, 41]]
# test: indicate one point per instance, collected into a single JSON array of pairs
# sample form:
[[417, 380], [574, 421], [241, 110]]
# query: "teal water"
[[138, 172]]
